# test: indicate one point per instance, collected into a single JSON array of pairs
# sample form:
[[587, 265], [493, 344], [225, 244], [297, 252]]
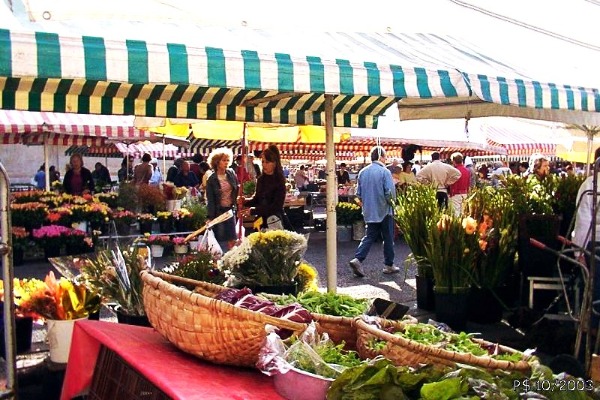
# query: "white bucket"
[[59, 339], [157, 250]]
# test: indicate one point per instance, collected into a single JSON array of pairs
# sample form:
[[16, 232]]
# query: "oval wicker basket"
[[402, 351], [198, 324]]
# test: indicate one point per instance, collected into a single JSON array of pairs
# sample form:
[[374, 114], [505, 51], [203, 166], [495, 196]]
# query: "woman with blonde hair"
[[221, 192]]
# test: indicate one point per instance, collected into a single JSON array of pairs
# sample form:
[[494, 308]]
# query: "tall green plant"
[[415, 211], [497, 217], [451, 251]]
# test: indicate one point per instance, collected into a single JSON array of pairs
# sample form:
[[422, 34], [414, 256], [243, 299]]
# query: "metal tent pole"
[[331, 234], [7, 278]]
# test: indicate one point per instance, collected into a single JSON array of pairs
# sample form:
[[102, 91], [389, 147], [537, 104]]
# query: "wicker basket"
[[198, 324], [402, 351]]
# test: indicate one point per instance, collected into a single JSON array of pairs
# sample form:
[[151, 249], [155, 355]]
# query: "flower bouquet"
[[182, 219], [200, 266], [22, 290], [123, 220], [116, 276], [173, 192], [266, 258], [60, 216], [145, 220], [451, 251], [60, 299], [348, 213]]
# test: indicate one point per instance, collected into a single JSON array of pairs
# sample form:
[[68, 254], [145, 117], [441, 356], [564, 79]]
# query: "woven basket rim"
[[162, 281], [465, 358]]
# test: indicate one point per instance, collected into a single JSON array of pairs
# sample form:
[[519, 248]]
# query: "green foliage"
[[249, 187], [199, 214], [127, 197], [415, 211], [336, 304], [200, 266]]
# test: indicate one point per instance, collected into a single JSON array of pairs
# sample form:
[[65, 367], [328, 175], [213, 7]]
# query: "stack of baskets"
[[402, 351], [198, 324]]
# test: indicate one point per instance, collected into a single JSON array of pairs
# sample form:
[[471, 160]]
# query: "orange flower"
[[469, 225], [444, 223], [483, 244]]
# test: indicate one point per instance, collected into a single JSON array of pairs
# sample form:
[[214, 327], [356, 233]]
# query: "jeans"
[[384, 228]]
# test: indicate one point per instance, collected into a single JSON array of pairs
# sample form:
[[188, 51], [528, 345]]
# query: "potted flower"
[[110, 198], [198, 265], [347, 214], [451, 250], [198, 214], [415, 211], [174, 195], [145, 220], [98, 213], [180, 245], [266, 261], [30, 215], [51, 238], [23, 318], [60, 302], [151, 198], [157, 243], [59, 216], [165, 221], [78, 242], [182, 219], [116, 276], [20, 241], [123, 220]]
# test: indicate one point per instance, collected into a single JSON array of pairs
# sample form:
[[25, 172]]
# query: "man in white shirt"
[[439, 174], [156, 177]]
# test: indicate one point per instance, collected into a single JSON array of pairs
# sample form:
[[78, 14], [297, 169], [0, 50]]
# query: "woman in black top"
[[269, 195], [78, 180]]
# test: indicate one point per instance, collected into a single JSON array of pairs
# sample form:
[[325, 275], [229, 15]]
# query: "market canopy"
[[136, 149], [29, 127]]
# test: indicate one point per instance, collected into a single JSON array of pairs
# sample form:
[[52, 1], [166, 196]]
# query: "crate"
[[115, 379]]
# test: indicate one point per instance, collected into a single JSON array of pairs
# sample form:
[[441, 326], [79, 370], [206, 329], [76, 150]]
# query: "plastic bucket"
[[59, 339]]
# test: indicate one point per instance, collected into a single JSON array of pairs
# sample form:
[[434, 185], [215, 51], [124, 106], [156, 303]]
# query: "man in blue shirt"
[[377, 193]]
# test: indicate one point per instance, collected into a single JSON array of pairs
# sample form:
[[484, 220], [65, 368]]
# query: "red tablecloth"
[[179, 375]]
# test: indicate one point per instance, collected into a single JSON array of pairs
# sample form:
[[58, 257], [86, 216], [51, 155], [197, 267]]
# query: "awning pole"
[[164, 157], [331, 232], [241, 187], [46, 162]]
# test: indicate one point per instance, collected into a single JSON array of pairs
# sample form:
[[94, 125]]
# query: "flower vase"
[[23, 333], [182, 225], [59, 339], [145, 227], [18, 256], [451, 307], [81, 225], [358, 230], [123, 229], [165, 225], [425, 295], [344, 233], [181, 248], [157, 250], [51, 251], [129, 319], [485, 306]]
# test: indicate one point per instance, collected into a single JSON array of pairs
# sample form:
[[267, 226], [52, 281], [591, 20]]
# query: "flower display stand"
[[181, 248], [157, 250], [344, 233], [358, 230]]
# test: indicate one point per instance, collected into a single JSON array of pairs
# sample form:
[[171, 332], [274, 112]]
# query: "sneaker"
[[356, 266], [390, 269]]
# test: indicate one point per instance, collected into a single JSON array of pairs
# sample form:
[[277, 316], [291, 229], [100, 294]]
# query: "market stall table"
[[159, 363]]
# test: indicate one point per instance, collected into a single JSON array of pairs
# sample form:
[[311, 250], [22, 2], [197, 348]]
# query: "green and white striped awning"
[[91, 75]]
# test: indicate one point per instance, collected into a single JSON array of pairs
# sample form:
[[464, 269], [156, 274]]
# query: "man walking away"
[[439, 174], [377, 193]]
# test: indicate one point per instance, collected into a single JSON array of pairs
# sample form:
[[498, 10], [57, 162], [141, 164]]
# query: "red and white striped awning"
[[526, 149], [31, 127]]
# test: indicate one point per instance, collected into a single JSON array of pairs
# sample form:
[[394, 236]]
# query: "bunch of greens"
[[335, 304], [415, 211]]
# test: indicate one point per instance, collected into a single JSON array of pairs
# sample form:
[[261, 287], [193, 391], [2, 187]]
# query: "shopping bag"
[[209, 243]]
